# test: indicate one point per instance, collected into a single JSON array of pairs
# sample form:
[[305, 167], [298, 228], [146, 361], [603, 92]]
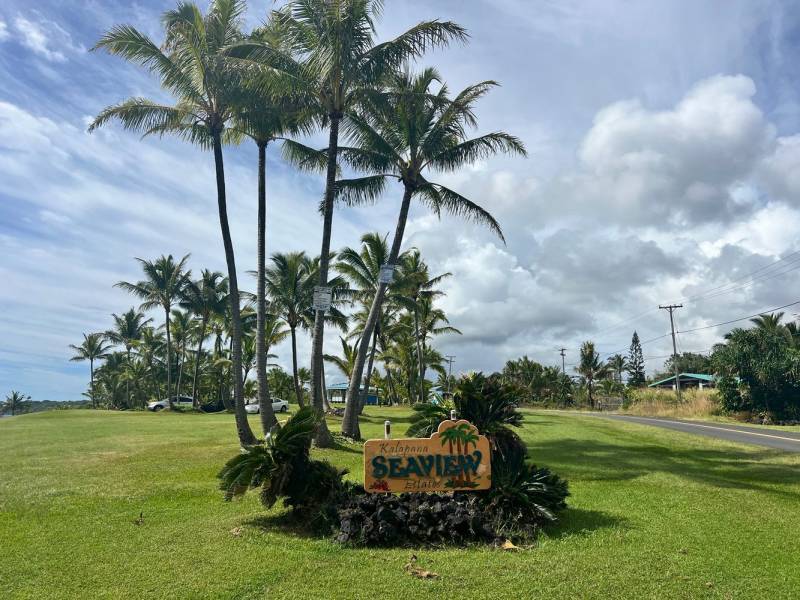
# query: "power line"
[[672, 308], [759, 313]]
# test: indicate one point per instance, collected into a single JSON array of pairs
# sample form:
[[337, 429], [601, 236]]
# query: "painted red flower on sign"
[[380, 484]]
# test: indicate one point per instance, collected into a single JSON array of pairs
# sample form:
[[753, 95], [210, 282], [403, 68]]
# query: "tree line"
[[314, 65]]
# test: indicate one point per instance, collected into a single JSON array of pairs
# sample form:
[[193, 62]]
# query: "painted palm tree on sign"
[[128, 328], [193, 67], [402, 134], [335, 59], [162, 287], [204, 298], [92, 348]]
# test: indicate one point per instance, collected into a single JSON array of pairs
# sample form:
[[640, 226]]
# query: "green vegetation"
[[653, 513]]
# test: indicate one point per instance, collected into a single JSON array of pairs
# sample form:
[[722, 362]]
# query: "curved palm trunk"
[[195, 401], [325, 404], [264, 402], [323, 437], [169, 361], [246, 437], [298, 392], [350, 422]]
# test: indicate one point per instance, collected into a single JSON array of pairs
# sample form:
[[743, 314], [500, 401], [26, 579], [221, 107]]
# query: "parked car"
[[277, 406], [183, 401]]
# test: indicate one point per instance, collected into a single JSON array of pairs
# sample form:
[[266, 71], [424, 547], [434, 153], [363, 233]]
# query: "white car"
[[277, 406], [182, 401]]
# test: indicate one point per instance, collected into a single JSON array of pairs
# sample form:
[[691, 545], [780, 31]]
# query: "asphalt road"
[[772, 438]]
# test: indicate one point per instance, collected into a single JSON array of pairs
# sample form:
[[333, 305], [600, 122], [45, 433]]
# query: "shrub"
[[523, 498], [412, 519], [487, 403], [282, 469]]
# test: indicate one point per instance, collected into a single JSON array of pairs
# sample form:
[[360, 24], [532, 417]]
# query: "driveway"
[[772, 438]]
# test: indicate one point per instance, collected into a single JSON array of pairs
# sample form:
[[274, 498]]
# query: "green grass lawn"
[[654, 514]]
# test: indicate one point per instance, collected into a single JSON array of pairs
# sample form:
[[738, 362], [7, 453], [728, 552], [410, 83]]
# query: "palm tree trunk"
[[420, 356], [264, 401], [169, 361], [370, 364], [323, 437], [180, 369], [298, 392], [91, 381], [325, 404], [245, 433], [350, 422], [204, 322]]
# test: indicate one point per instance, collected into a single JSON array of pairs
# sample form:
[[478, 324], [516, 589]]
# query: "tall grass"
[[664, 403]]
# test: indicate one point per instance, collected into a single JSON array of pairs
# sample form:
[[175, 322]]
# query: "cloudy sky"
[[664, 166]]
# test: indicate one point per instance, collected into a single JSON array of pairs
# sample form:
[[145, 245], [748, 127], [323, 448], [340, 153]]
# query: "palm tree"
[[127, 331], [768, 322], [149, 347], [193, 67], [92, 348], [14, 401], [429, 321], [163, 286], [419, 284], [346, 361], [290, 285], [204, 298], [591, 368], [362, 270], [335, 61], [402, 134], [182, 328], [618, 363]]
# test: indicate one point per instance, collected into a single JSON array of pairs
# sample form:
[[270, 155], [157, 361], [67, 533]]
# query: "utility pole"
[[563, 365], [450, 360], [671, 308]]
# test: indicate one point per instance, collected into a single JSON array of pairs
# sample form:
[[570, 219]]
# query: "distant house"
[[688, 380], [337, 392]]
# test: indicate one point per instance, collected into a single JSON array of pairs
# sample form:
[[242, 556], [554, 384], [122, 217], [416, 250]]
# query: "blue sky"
[[664, 148]]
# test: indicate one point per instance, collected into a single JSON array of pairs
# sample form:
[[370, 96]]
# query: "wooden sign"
[[454, 458]]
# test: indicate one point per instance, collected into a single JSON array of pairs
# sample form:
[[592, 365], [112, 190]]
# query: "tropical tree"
[[290, 284], [591, 368], [162, 287], [92, 348], [346, 361], [429, 321], [334, 62], [402, 134], [14, 402], [769, 322], [126, 332], [617, 363], [204, 298], [635, 368], [183, 326], [419, 286], [192, 66]]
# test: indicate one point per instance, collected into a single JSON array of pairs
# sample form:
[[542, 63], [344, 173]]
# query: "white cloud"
[[3, 31], [45, 38]]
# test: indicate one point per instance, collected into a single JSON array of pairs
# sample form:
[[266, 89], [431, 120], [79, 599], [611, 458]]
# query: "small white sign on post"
[[322, 298], [386, 274]]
